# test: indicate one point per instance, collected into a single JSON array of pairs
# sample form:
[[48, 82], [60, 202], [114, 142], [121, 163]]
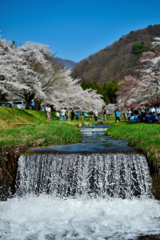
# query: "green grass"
[[42, 132], [10, 117], [144, 136], [27, 127]]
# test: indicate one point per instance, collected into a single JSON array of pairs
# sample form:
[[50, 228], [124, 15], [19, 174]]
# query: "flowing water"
[[94, 141], [82, 196]]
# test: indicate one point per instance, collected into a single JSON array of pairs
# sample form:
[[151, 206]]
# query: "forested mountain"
[[118, 60]]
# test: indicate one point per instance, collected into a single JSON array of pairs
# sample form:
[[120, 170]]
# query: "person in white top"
[[48, 112], [63, 112], [57, 115], [152, 109]]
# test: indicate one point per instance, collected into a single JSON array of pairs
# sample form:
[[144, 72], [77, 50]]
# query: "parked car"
[[19, 104], [2, 104], [8, 104]]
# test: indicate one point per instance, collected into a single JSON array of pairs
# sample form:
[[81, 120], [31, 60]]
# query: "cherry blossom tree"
[[126, 88], [147, 55], [27, 73], [18, 78], [146, 90], [68, 93]]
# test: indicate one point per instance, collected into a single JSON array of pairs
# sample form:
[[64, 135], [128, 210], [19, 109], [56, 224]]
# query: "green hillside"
[[118, 60]]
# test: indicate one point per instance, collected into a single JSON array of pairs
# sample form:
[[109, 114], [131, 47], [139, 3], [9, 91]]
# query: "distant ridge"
[[65, 63], [117, 60]]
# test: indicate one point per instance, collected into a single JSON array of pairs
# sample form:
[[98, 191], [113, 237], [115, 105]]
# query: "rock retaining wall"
[[8, 166]]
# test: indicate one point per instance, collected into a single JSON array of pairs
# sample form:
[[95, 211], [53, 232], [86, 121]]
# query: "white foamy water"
[[93, 129], [45, 218], [81, 197]]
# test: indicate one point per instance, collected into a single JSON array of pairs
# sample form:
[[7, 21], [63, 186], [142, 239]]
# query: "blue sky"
[[75, 29]]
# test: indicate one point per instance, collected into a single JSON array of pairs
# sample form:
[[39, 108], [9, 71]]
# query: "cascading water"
[[80, 196], [94, 175]]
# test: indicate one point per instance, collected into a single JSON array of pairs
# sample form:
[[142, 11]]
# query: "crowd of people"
[[65, 115], [61, 115], [144, 114]]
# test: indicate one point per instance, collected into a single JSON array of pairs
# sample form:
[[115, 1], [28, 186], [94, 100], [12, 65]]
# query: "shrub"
[[139, 48]]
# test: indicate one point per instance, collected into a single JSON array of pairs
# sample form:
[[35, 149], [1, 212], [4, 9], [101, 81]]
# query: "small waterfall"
[[93, 175]]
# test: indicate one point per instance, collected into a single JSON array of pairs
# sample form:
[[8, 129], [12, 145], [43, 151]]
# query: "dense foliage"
[[106, 90], [3, 96], [139, 48]]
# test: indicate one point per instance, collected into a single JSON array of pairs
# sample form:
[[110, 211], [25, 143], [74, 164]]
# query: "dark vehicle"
[[8, 104], [2, 104]]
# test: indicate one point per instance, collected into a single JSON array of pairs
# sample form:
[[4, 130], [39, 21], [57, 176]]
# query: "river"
[[98, 189]]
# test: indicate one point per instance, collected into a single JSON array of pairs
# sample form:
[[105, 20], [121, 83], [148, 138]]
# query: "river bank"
[[22, 129], [144, 136]]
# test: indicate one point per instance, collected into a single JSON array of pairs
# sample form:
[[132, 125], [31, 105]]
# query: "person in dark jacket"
[[153, 117], [72, 115]]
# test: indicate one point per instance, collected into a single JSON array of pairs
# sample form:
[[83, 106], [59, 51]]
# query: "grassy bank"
[[11, 117], [144, 136], [40, 133], [29, 127]]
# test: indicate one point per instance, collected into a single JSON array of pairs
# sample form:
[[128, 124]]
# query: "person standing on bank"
[[117, 115], [48, 112], [32, 104], [57, 115], [72, 115], [96, 115], [67, 115], [63, 113], [105, 114], [77, 115]]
